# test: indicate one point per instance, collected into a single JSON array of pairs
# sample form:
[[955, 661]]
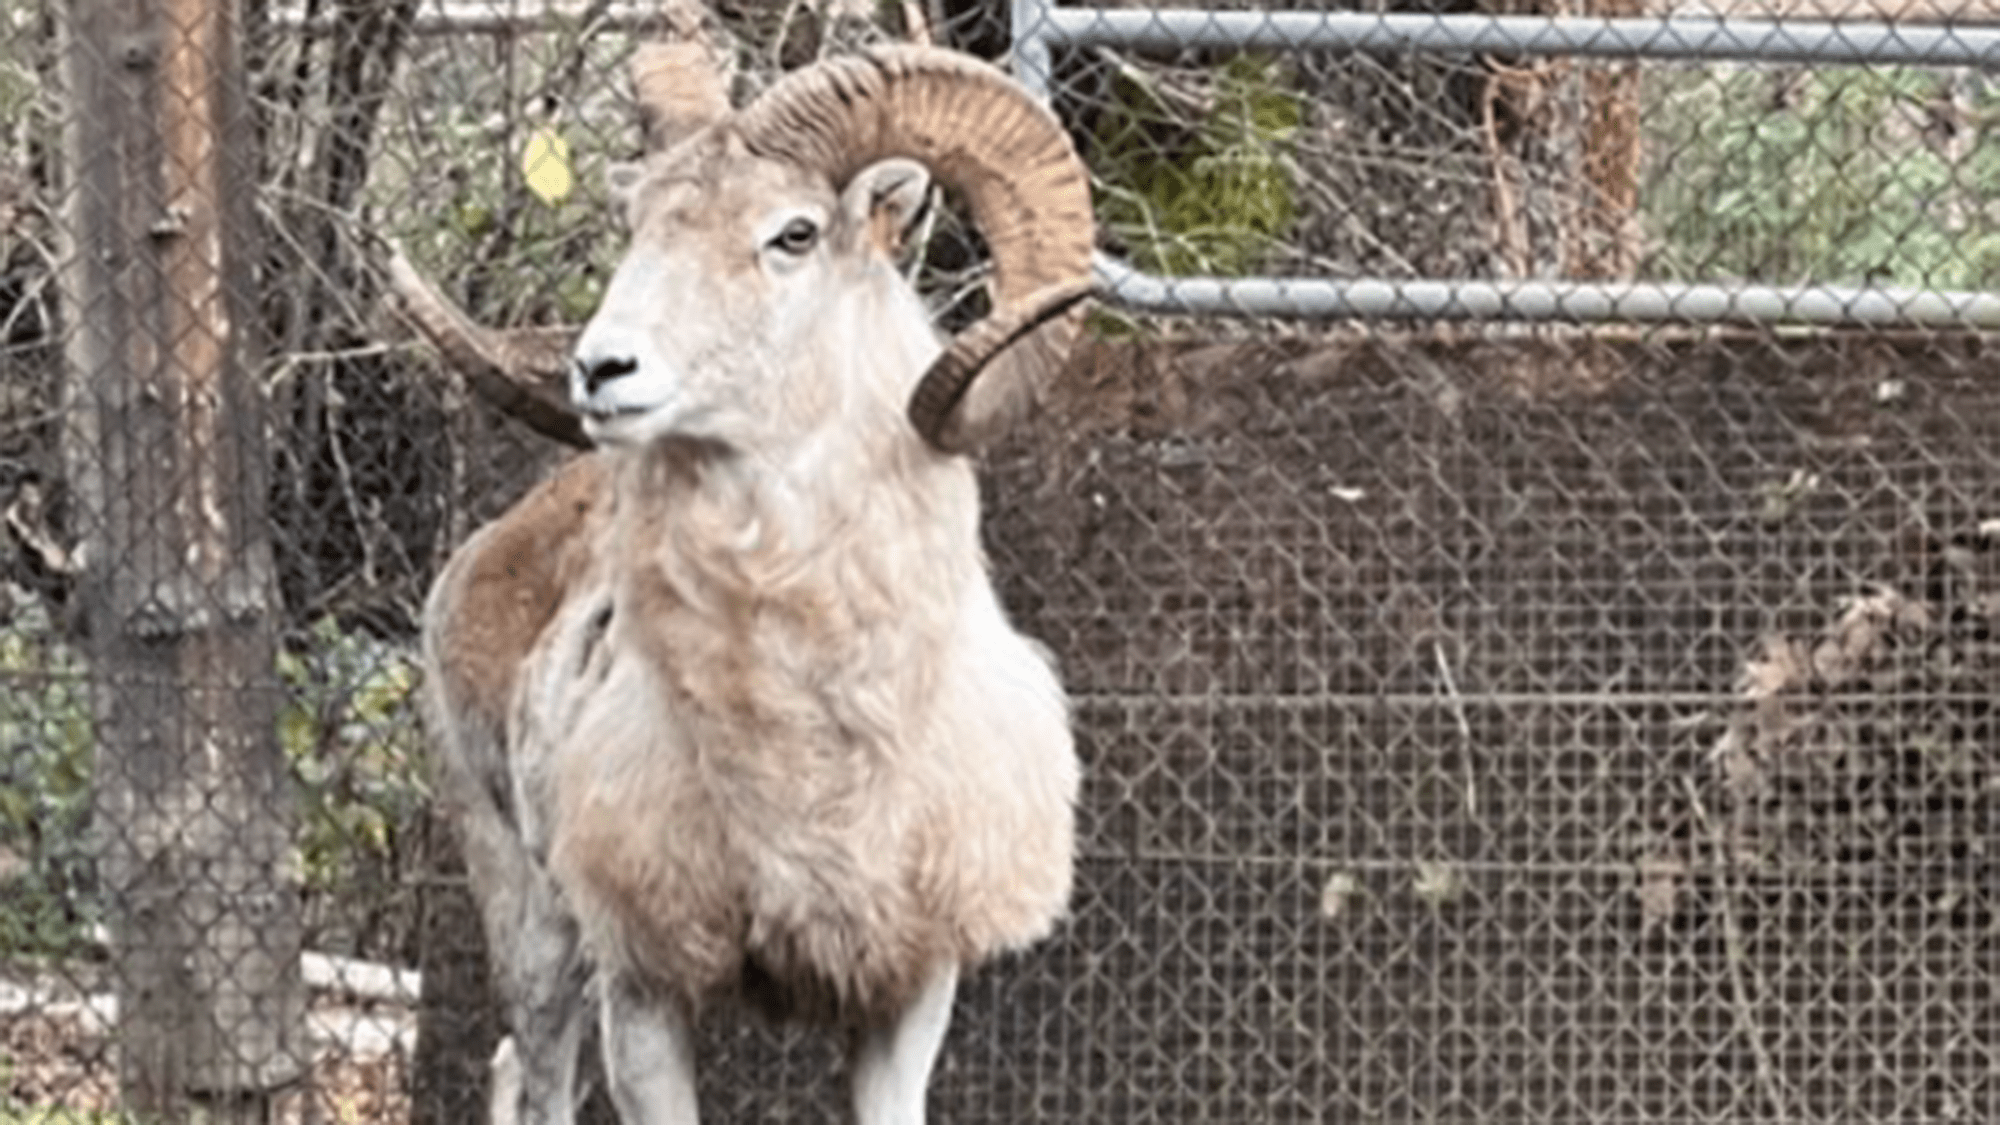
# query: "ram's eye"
[[797, 237]]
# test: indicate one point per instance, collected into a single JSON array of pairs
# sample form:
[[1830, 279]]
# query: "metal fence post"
[[1031, 50]]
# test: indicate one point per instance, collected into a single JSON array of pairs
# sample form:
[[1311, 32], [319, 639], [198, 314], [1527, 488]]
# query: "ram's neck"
[[761, 587]]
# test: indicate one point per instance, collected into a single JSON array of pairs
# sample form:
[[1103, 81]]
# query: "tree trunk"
[[1608, 244], [164, 452]]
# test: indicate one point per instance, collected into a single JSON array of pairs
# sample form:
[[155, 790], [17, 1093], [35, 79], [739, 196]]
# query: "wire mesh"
[[1478, 724], [1622, 152]]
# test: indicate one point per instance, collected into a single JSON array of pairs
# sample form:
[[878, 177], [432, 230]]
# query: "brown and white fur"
[[729, 710]]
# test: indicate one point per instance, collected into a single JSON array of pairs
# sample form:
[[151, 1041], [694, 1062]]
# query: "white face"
[[738, 277]]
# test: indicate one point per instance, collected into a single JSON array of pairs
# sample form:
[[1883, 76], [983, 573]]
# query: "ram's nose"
[[589, 373], [602, 366]]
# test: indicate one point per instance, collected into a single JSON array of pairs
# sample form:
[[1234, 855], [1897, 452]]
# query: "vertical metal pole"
[[1031, 50]]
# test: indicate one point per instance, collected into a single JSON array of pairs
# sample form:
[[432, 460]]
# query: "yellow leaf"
[[545, 165]]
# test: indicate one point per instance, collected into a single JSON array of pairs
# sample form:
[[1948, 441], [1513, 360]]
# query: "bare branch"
[[26, 518]]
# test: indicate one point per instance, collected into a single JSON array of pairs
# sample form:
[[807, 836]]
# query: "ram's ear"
[[886, 200]]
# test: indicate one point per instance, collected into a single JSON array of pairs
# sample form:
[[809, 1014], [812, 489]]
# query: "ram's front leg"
[[648, 1055], [542, 978], [892, 1063], [533, 947]]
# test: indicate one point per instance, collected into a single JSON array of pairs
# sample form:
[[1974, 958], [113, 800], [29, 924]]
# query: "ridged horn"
[[980, 133], [681, 81], [509, 369], [935, 407]]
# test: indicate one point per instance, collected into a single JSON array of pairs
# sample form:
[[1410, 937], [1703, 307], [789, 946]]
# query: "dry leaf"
[[1340, 889], [1782, 667], [1661, 881]]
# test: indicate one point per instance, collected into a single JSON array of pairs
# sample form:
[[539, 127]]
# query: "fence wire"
[[1480, 723], [1620, 162]]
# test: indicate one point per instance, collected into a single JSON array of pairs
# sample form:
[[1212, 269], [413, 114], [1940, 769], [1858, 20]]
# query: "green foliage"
[[513, 256], [1200, 191], [45, 748], [351, 742], [1834, 175], [29, 127], [17, 80], [20, 87], [350, 736]]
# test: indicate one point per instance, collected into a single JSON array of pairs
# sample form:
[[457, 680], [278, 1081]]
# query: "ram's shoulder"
[[502, 588]]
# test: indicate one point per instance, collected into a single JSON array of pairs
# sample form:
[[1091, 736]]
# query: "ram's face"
[[742, 275]]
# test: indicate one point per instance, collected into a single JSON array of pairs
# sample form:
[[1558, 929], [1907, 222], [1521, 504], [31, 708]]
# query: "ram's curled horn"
[[1008, 156], [682, 81], [935, 406], [506, 368]]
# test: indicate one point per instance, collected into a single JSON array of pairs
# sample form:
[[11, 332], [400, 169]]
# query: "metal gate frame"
[[1039, 26]]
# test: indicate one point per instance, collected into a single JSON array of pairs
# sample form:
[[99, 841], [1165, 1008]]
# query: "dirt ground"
[[61, 1056]]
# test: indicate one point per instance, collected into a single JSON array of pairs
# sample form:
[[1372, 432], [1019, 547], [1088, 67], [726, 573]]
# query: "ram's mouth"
[[594, 413]]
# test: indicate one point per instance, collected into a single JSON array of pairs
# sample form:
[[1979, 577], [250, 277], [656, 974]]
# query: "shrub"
[[1200, 191], [352, 747], [45, 748], [1838, 175], [350, 735]]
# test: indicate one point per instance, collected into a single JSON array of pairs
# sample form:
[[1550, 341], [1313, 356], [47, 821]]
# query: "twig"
[[1464, 725], [785, 21], [38, 286], [366, 528], [1182, 105], [339, 296], [1364, 235], [26, 518], [1736, 952], [1510, 236], [288, 362]]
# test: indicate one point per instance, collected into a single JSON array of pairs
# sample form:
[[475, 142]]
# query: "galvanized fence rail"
[[1041, 26]]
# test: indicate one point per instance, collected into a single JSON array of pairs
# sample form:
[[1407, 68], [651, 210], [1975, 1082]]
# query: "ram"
[[729, 711]]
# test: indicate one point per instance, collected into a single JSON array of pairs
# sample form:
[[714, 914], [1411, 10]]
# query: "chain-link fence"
[[1611, 161], [1480, 723]]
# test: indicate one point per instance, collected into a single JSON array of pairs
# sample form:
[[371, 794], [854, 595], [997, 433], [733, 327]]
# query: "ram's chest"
[[827, 655], [735, 784]]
